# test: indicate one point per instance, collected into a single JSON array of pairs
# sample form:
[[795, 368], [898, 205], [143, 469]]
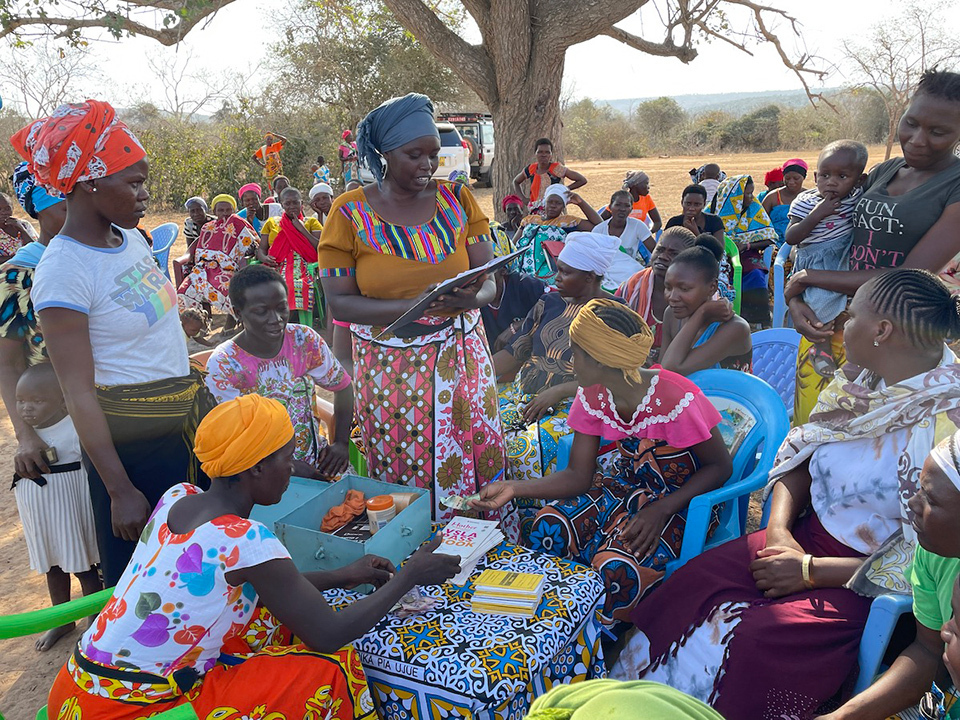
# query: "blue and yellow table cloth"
[[453, 663]]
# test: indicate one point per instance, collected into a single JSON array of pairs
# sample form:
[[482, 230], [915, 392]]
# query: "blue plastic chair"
[[751, 463], [775, 361], [164, 236], [781, 318], [768, 255], [885, 611]]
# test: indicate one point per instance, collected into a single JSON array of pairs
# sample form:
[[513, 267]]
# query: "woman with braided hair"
[[624, 514], [769, 625]]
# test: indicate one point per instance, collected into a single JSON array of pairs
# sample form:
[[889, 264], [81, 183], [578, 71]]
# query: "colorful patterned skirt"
[[809, 382], [427, 409], [262, 674], [296, 275], [531, 449], [587, 528], [712, 634]]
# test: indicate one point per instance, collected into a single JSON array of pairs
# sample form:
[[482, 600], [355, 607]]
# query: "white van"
[[454, 155], [477, 131]]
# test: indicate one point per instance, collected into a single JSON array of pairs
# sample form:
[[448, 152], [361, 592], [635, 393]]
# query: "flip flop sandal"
[[822, 362]]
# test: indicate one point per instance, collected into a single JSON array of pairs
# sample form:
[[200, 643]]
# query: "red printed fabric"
[[82, 141]]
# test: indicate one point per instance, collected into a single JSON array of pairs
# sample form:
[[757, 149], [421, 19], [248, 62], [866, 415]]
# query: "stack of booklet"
[[470, 539], [503, 592]]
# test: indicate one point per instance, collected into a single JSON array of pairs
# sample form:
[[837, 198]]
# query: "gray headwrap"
[[199, 201], [396, 122]]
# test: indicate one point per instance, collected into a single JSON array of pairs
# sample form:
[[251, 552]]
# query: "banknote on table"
[[458, 502], [414, 602]]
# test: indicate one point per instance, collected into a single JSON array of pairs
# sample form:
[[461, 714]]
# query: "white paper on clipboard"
[[464, 278]]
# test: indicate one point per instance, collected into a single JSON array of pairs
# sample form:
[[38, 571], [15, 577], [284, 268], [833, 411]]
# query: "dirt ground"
[[26, 675]]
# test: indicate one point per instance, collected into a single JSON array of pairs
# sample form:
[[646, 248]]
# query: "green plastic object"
[[181, 712], [733, 252], [358, 460], [37, 621]]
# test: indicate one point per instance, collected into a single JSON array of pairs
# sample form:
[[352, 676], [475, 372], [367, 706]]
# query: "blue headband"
[[395, 123]]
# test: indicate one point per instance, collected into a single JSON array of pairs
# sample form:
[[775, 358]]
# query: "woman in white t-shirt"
[[636, 240], [111, 325]]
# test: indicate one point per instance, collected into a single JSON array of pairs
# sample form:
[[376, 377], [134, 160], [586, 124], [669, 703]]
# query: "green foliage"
[[661, 127], [659, 119], [599, 132]]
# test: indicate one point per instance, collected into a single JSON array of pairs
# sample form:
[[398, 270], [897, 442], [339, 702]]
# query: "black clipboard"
[[464, 278]]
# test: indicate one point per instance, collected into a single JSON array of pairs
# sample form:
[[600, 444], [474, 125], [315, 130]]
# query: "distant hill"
[[737, 103]]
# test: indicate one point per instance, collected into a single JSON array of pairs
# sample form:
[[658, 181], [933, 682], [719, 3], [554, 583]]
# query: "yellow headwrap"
[[238, 434], [608, 346], [223, 197]]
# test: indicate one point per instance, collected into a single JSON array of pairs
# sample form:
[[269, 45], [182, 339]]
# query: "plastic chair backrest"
[[781, 318], [768, 255], [733, 253], [775, 361], [734, 393], [164, 236]]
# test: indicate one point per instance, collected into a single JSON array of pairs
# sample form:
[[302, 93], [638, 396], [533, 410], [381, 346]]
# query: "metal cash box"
[[311, 549]]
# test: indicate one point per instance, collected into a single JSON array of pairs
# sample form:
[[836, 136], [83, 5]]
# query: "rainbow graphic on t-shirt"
[[144, 289]]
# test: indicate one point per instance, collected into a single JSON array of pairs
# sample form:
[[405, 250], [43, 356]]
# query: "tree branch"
[[667, 48], [177, 23], [470, 62], [802, 67]]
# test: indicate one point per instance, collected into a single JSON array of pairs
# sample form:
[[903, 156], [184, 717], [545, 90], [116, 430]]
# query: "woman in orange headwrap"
[[211, 639], [110, 323]]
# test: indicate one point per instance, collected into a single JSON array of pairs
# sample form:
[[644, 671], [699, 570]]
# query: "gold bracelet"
[[805, 571]]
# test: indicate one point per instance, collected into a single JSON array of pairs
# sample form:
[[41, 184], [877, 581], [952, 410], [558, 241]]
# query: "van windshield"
[[449, 138]]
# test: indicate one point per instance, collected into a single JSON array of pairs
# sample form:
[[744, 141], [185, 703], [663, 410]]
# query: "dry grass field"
[[26, 675]]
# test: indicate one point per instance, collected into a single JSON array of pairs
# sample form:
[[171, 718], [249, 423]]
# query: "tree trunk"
[[530, 110], [891, 133]]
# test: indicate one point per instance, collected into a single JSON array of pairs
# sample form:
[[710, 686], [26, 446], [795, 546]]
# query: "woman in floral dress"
[[216, 256]]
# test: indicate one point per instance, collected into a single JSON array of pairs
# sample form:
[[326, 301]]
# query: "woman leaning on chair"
[[110, 323], [221, 637], [743, 625]]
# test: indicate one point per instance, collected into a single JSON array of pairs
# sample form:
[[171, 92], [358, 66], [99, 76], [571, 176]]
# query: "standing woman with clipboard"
[[426, 397]]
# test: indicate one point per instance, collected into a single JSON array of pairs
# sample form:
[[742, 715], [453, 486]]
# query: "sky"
[[601, 68]]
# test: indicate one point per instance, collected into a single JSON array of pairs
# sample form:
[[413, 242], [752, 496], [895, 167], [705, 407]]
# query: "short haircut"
[[44, 374], [248, 277], [320, 160], [624, 194], [711, 170], [695, 190], [940, 83], [857, 149], [543, 141], [289, 191]]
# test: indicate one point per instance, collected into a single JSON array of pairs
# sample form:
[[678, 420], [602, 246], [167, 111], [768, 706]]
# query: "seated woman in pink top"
[[623, 511], [284, 361]]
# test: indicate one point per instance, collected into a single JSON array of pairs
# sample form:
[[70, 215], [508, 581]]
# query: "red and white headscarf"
[[81, 141]]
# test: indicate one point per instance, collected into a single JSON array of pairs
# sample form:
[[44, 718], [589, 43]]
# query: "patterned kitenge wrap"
[[427, 408], [744, 224], [220, 250], [160, 644], [82, 141]]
